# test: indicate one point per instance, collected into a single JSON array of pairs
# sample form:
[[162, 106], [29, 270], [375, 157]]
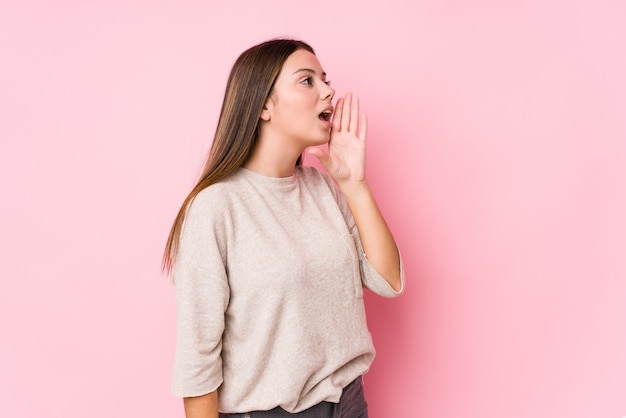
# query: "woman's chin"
[[324, 139]]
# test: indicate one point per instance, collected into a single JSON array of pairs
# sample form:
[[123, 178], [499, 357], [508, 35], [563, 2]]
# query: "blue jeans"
[[351, 405]]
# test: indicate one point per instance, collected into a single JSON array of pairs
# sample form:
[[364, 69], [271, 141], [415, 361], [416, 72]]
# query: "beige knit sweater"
[[269, 292]]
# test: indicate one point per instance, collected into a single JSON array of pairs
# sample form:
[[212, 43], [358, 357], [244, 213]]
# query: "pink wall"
[[497, 151]]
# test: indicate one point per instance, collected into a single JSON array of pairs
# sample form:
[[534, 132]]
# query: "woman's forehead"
[[302, 60]]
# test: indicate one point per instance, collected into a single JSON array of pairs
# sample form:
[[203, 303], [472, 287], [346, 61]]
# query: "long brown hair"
[[249, 85]]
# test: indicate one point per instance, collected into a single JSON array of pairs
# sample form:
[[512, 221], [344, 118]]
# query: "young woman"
[[268, 257]]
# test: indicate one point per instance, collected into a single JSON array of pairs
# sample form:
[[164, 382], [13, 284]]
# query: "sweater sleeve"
[[370, 277], [202, 295]]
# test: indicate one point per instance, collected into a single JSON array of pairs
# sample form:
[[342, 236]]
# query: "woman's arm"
[[204, 406], [378, 242], [345, 162]]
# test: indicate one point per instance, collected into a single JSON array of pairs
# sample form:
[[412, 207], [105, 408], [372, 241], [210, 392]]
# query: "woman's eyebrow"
[[308, 70]]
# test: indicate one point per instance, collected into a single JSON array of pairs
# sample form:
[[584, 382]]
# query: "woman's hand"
[[345, 159]]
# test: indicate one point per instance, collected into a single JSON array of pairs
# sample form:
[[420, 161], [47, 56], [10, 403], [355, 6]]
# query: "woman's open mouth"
[[326, 115]]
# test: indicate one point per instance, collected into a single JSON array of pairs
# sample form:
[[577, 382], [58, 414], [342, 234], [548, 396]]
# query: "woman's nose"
[[329, 93]]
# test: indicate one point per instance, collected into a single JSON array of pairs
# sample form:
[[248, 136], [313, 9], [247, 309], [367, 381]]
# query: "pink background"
[[497, 151]]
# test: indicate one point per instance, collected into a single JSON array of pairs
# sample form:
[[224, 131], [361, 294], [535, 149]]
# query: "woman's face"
[[300, 106]]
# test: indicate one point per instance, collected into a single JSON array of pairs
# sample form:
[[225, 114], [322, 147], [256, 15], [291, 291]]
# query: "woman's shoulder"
[[320, 180], [216, 195]]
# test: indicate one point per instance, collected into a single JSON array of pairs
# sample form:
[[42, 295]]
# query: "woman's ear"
[[266, 113]]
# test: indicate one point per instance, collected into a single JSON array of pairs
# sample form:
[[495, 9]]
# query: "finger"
[[354, 115], [337, 115], [363, 127], [345, 114]]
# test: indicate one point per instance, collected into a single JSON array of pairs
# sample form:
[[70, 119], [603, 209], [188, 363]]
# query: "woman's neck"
[[273, 159]]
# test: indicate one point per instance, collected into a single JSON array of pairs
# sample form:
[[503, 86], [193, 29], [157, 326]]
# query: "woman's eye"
[[327, 82], [308, 80]]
